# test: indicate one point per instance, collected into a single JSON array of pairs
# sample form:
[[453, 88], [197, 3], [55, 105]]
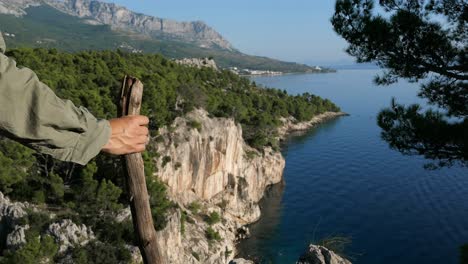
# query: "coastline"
[[291, 125], [288, 73]]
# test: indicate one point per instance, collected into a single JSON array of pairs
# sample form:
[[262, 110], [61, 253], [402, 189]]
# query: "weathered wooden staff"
[[134, 170]]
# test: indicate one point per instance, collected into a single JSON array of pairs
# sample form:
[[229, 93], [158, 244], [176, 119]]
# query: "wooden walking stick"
[[130, 103]]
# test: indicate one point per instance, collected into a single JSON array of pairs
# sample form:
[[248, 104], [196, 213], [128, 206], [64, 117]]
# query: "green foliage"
[[195, 124], [413, 132], [415, 40], [100, 253], [159, 202], [165, 160], [421, 41], [212, 218], [212, 235], [15, 162], [195, 207], [183, 219], [251, 154], [37, 250]]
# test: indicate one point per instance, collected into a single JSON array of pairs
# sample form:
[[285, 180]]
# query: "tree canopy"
[[421, 41]]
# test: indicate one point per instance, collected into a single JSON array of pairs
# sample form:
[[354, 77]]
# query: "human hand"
[[129, 134]]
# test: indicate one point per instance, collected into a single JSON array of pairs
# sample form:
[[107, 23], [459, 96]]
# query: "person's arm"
[[32, 114]]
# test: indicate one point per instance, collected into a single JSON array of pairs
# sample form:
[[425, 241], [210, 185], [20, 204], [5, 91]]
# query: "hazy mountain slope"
[[121, 18], [44, 26]]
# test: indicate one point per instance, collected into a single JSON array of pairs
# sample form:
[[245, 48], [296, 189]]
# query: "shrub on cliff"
[[212, 218], [212, 235]]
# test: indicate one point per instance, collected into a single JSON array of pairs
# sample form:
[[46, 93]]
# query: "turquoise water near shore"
[[341, 178]]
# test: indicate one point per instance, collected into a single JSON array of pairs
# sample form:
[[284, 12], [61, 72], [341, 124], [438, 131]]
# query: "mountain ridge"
[[122, 18], [37, 24]]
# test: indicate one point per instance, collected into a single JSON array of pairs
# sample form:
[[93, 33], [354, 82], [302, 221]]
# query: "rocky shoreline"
[[291, 125]]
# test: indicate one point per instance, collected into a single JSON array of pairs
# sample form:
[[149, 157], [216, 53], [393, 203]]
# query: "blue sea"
[[342, 179]]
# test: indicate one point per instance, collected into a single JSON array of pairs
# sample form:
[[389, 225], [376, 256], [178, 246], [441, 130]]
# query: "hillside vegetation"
[[94, 194]]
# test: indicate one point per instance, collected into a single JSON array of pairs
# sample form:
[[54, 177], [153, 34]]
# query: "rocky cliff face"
[[120, 18], [205, 160], [209, 160], [16, 7]]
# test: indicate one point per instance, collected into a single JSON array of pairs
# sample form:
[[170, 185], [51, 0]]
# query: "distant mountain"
[[75, 25], [120, 18]]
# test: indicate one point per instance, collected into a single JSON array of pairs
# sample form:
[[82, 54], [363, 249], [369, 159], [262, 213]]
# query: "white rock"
[[10, 211], [67, 234], [17, 237], [241, 261], [321, 255]]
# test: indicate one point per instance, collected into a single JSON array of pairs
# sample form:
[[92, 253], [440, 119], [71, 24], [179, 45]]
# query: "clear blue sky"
[[292, 30]]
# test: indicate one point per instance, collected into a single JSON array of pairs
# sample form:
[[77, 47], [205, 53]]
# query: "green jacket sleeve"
[[32, 114]]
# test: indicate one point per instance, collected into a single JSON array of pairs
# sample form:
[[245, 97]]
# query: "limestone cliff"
[[205, 160]]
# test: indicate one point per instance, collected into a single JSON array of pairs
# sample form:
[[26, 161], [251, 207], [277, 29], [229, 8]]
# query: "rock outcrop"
[[121, 18], [17, 7], [321, 255], [198, 63], [292, 125], [241, 261], [10, 230], [17, 237], [206, 158], [67, 234]]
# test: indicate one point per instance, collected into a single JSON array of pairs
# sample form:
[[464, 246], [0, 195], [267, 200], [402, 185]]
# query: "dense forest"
[[93, 194]]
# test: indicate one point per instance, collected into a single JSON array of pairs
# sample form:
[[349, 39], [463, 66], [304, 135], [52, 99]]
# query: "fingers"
[[142, 131], [140, 148], [140, 120], [141, 139]]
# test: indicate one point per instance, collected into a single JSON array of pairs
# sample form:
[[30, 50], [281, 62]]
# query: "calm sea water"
[[341, 178]]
